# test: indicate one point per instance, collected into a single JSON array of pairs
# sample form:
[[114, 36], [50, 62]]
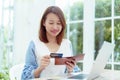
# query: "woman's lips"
[[54, 31]]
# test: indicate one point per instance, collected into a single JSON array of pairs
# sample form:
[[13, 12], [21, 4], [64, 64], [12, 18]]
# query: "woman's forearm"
[[37, 72]]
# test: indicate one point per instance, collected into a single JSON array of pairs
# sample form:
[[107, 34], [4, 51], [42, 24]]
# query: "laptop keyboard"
[[79, 76]]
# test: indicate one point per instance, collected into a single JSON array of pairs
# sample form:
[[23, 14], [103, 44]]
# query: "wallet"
[[63, 60]]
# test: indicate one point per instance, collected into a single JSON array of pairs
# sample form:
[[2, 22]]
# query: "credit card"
[[56, 55]]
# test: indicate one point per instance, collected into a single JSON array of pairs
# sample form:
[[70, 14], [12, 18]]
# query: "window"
[[6, 33], [107, 27], [105, 24]]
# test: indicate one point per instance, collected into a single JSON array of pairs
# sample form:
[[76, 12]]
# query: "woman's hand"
[[45, 61], [70, 65]]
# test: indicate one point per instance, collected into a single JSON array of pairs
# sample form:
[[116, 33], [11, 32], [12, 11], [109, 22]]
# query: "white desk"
[[111, 75], [107, 75]]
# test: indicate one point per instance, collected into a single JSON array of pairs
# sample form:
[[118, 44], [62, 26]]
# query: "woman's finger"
[[46, 56]]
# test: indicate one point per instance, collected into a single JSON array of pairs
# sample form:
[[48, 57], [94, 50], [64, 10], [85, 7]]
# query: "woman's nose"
[[55, 26]]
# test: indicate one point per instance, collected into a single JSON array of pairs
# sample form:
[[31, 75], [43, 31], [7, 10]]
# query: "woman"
[[38, 61]]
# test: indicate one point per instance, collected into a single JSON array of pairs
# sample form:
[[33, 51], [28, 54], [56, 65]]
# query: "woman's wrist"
[[69, 71]]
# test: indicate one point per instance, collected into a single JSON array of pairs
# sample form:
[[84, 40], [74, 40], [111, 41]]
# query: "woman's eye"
[[50, 23], [59, 23]]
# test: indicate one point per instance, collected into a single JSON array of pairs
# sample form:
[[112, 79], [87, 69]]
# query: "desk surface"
[[107, 75], [111, 75]]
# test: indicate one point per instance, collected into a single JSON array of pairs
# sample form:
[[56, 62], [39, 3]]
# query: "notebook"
[[100, 62]]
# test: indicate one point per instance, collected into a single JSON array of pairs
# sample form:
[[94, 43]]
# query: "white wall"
[[27, 15]]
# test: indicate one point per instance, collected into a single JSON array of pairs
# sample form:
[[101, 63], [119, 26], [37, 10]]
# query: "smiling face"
[[53, 25]]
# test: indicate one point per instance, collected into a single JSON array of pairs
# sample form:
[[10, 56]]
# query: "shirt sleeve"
[[30, 63], [76, 69]]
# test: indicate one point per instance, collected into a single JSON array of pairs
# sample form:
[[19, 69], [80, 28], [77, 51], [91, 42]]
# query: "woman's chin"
[[54, 35]]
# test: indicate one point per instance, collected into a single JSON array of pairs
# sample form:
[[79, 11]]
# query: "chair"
[[16, 71]]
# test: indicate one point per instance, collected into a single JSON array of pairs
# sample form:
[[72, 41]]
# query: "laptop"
[[100, 62]]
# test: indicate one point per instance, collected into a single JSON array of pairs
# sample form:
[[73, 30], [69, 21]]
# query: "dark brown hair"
[[42, 31]]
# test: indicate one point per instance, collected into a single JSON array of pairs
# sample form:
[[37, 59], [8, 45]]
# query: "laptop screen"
[[100, 62], [102, 58]]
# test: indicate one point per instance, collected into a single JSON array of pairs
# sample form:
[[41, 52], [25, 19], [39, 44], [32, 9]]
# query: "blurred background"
[[89, 23]]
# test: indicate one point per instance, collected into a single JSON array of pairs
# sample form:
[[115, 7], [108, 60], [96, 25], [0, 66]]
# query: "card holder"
[[63, 60]]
